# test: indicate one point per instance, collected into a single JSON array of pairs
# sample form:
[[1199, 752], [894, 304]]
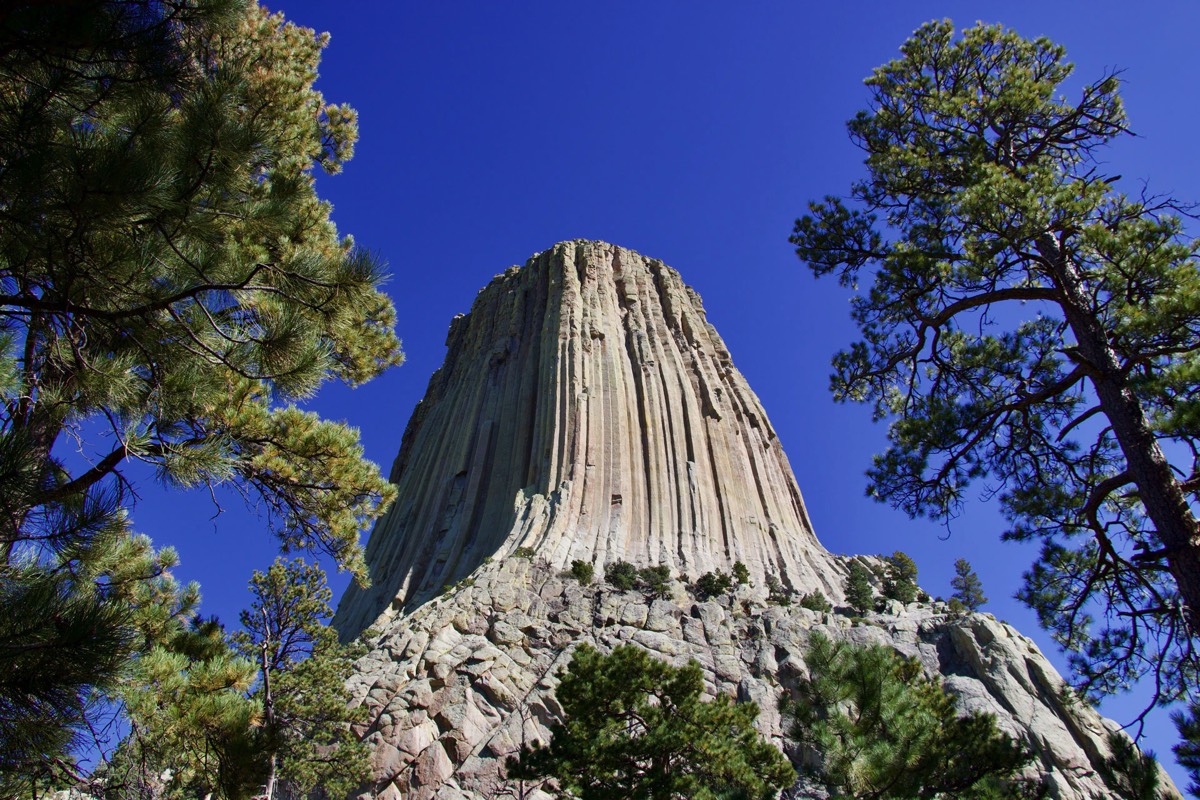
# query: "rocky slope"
[[470, 676], [587, 410]]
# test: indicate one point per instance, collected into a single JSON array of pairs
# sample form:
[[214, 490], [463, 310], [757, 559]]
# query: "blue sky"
[[693, 133]]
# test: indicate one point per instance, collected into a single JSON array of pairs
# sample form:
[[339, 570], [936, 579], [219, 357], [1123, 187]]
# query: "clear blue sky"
[[693, 133]]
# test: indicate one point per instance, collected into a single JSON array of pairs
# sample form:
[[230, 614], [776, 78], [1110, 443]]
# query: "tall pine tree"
[[1024, 320], [248, 714], [170, 287], [302, 671]]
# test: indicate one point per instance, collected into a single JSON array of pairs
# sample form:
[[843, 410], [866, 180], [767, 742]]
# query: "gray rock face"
[[586, 410]]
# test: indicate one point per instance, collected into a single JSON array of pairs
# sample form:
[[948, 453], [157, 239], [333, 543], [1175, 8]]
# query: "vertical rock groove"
[[588, 410]]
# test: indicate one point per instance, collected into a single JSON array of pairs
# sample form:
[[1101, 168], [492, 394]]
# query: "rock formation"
[[588, 411]]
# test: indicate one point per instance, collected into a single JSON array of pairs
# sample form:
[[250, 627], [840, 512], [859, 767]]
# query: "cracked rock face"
[[587, 410]]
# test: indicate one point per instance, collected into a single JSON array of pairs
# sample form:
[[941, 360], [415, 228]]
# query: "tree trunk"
[[1164, 501], [268, 713]]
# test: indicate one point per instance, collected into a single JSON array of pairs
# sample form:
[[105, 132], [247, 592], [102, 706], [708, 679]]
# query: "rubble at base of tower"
[[469, 677]]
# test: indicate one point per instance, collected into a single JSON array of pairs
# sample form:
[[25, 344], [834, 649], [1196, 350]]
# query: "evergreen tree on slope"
[[879, 729], [636, 728], [859, 593], [1024, 320], [968, 589], [900, 578]]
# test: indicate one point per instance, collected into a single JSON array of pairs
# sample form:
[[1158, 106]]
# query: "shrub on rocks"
[[713, 584], [816, 601], [655, 581], [622, 575], [582, 571]]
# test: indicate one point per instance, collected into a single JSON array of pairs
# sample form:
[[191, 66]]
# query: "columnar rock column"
[[587, 410]]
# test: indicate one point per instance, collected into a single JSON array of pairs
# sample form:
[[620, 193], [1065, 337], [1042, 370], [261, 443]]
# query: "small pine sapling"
[[968, 590], [582, 571]]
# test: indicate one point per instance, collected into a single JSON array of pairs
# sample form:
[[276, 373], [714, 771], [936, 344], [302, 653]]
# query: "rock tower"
[[588, 411]]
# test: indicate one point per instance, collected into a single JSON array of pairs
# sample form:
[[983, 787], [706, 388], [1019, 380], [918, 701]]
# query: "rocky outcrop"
[[588, 411], [469, 677]]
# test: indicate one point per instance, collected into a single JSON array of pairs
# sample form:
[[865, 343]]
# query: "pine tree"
[[302, 670], [194, 252], [636, 727], [859, 592], [713, 584], [968, 589], [1187, 752], [242, 715], [816, 601], [1131, 774], [170, 287], [900, 578], [583, 571], [70, 628], [883, 730], [1025, 322], [655, 581], [622, 575], [193, 727], [58, 648]]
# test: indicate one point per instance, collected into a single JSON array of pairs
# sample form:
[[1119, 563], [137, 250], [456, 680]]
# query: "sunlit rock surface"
[[468, 678], [587, 410]]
